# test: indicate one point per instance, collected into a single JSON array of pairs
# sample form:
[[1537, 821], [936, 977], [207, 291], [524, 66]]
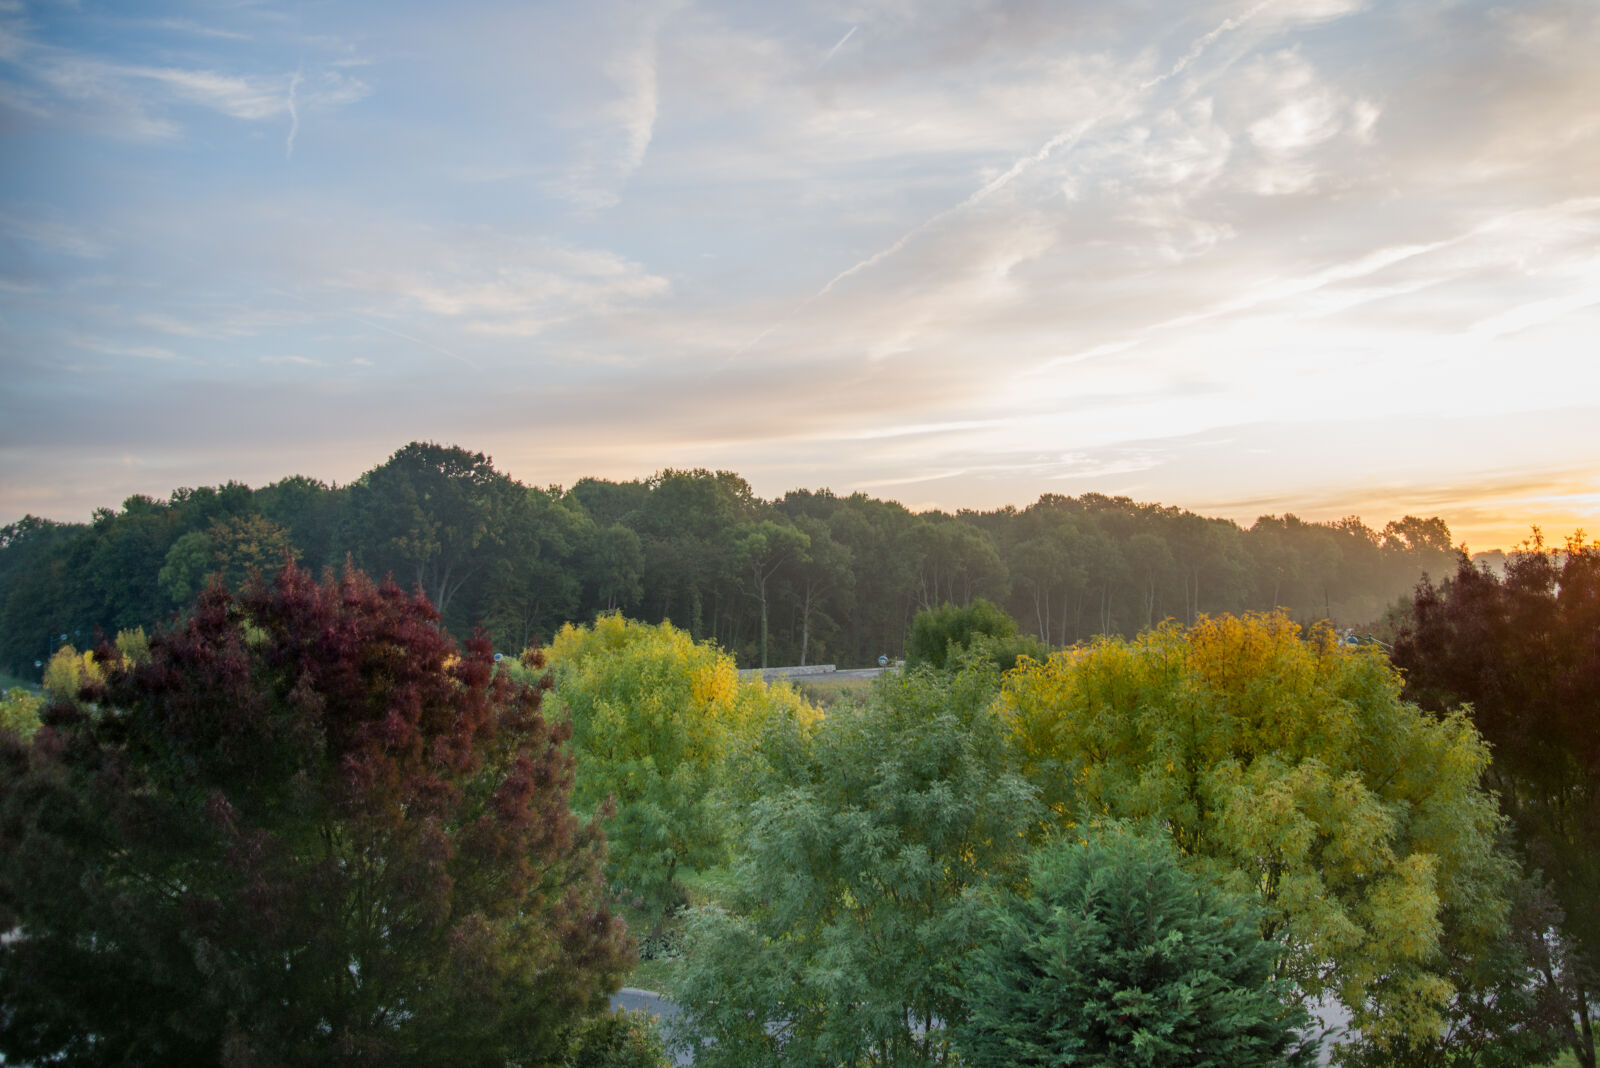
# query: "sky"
[[1246, 257]]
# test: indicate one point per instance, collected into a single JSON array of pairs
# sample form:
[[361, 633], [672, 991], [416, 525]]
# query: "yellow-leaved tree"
[[656, 719], [1289, 768], [70, 671]]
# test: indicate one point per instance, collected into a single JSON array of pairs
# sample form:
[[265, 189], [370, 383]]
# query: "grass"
[[1567, 1060], [8, 682], [825, 692]]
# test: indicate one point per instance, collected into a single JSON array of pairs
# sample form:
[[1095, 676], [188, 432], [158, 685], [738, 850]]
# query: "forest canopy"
[[809, 577]]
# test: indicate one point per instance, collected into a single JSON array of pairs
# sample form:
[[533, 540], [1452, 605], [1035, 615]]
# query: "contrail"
[[1065, 138], [294, 117], [847, 35]]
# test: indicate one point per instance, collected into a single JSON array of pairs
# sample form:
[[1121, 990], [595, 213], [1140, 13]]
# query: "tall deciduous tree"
[[861, 836], [1288, 769], [309, 828], [1523, 652], [819, 576], [655, 716], [762, 549], [432, 515]]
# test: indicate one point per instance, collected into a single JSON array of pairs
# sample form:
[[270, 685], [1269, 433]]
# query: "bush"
[[19, 712], [935, 633], [617, 1039]]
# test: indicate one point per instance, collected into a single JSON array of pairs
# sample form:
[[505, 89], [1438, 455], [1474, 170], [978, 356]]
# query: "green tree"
[[861, 832], [1289, 769], [614, 568], [535, 583], [1115, 955], [763, 549], [185, 567], [431, 515], [309, 829], [232, 549], [655, 716], [1512, 1007], [938, 633], [820, 577]]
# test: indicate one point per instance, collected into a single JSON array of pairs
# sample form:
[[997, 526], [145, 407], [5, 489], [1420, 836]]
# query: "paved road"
[[663, 1010], [853, 673]]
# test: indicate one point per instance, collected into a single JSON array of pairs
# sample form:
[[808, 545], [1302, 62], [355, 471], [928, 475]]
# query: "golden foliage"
[[1288, 767]]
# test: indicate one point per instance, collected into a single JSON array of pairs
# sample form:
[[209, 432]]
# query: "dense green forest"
[[812, 576]]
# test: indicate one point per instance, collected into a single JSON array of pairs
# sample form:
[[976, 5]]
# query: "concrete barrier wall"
[[772, 674]]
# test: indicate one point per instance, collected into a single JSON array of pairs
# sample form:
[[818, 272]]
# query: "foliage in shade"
[[309, 828], [862, 832], [1289, 769], [1115, 956], [1509, 1010], [1521, 652]]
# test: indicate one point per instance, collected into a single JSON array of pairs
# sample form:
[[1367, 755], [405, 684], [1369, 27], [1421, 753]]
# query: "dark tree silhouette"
[[1524, 650]]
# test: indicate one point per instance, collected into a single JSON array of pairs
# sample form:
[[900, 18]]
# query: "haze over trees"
[[809, 577]]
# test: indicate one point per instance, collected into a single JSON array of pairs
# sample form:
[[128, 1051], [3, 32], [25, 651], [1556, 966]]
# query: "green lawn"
[[8, 682], [1566, 1060]]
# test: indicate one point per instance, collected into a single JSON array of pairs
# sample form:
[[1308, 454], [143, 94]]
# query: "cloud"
[[143, 352], [294, 117], [56, 237], [135, 101], [508, 288], [614, 134]]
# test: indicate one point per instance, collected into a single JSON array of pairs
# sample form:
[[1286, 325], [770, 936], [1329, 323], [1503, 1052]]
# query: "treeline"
[[810, 577]]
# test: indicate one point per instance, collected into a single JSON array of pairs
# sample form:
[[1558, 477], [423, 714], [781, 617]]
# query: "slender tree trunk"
[[1584, 1049], [805, 625], [763, 627]]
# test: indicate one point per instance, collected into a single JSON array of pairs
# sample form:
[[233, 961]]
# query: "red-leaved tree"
[[1524, 650], [309, 829]]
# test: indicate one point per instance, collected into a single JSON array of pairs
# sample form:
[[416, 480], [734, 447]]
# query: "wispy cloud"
[[199, 29], [136, 100], [294, 117], [117, 348], [851, 32], [55, 236]]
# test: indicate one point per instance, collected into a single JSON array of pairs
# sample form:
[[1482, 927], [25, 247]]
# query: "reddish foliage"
[[1524, 651], [308, 826]]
